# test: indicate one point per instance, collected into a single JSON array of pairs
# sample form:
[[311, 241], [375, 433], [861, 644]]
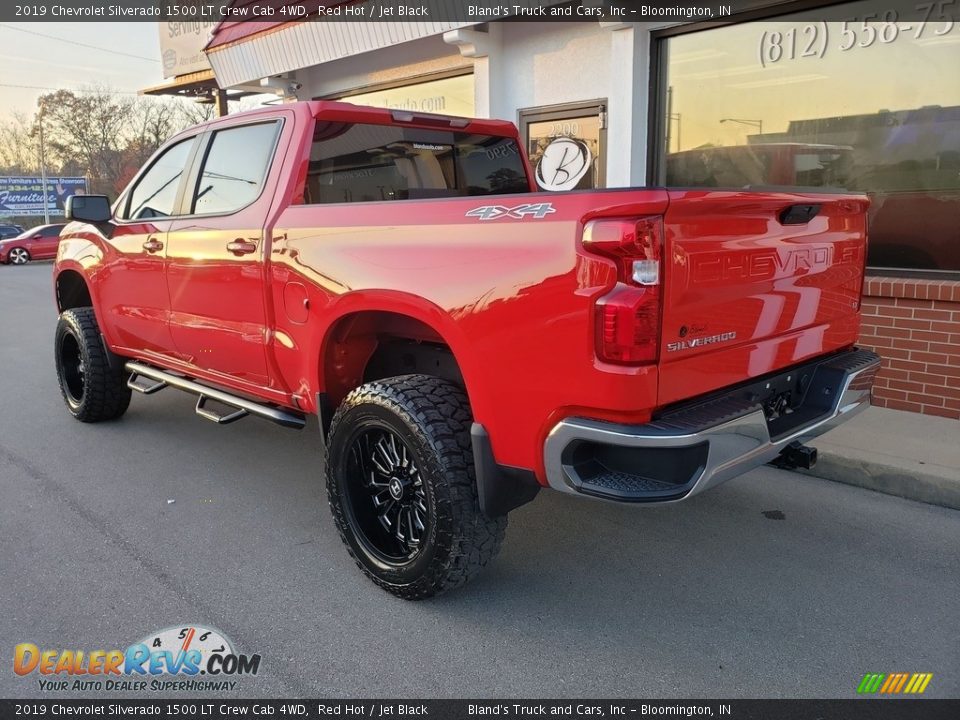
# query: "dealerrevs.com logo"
[[190, 658]]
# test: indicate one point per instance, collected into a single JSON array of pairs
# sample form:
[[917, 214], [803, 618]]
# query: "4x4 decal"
[[518, 212]]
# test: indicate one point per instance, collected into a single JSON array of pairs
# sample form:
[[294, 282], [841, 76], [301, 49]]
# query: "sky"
[[44, 62]]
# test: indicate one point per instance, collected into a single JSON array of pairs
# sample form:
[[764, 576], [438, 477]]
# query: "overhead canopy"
[[201, 86], [192, 85], [243, 52]]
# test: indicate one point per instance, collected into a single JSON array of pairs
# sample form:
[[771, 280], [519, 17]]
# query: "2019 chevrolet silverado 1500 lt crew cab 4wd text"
[[464, 339]]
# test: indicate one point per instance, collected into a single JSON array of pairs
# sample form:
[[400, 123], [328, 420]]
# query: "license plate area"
[[780, 395]]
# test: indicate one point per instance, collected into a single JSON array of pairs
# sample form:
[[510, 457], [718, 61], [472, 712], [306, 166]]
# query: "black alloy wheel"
[[389, 503], [72, 369]]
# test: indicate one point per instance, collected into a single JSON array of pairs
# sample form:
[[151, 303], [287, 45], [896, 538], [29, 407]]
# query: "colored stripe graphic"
[[918, 683], [870, 683], [899, 687], [894, 683]]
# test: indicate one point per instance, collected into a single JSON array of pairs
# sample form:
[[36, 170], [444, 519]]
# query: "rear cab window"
[[370, 163]]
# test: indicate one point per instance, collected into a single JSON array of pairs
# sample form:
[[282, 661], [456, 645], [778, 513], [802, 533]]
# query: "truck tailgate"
[[755, 282]]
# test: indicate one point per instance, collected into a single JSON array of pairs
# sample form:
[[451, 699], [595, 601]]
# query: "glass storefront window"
[[446, 96], [849, 97]]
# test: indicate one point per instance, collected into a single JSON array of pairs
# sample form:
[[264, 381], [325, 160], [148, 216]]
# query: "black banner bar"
[[207, 11], [860, 709]]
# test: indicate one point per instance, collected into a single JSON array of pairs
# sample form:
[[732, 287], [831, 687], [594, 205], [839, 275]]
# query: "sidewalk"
[[899, 453]]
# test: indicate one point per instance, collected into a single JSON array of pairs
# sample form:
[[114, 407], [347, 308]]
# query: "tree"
[[108, 136], [191, 112], [19, 146], [95, 133], [88, 132]]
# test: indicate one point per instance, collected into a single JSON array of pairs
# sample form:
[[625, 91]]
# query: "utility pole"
[[43, 169], [669, 118]]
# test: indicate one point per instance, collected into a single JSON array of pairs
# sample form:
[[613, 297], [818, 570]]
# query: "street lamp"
[[43, 168], [753, 123]]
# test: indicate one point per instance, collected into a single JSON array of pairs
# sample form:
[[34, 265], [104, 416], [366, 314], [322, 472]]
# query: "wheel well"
[[72, 291], [371, 345]]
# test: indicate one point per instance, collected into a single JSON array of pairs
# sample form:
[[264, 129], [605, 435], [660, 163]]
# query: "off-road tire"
[[432, 417], [98, 391]]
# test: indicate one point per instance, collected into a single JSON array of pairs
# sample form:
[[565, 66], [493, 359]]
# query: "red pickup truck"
[[464, 339]]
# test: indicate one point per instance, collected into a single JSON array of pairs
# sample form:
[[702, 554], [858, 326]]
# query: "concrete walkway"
[[899, 453]]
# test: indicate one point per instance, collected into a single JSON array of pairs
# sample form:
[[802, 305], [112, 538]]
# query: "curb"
[[919, 484]]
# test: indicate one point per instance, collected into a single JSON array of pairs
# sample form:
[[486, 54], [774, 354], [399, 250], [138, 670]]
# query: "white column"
[[627, 111], [483, 46]]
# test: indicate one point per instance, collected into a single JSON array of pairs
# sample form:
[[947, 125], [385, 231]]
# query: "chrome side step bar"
[[243, 407]]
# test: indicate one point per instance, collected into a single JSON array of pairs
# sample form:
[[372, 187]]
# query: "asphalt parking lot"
[[774, 585]]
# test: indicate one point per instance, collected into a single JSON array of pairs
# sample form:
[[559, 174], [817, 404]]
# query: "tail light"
[[628, 317]]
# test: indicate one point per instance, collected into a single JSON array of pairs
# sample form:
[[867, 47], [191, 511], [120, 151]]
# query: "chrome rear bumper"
[[690, 450]]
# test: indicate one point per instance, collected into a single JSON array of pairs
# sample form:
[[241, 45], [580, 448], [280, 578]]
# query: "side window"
[[155, 192], [235, 168]]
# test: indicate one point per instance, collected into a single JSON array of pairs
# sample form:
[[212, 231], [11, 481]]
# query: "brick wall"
[[914, 325]]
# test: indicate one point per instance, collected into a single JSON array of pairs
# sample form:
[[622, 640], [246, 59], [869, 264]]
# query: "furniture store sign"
[[23, 196]]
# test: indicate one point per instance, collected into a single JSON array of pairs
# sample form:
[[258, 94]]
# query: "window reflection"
[[447, 96], [235, 168], [865, 104], [155, 192], [366, 163]]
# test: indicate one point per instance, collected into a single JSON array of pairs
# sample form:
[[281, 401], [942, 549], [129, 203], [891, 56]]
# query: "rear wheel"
[[19, 256], [92, 390], [402, 488]]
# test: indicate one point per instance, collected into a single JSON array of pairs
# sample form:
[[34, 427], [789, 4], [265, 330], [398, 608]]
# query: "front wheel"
[[402, 487], [19, 256], [92, 389]]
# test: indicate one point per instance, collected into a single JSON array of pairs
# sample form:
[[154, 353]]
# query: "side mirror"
[[88, 208]]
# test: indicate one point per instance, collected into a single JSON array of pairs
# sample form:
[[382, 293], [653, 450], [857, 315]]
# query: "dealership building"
[[795, 94]]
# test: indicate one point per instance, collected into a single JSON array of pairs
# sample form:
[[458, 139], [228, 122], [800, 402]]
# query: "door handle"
[[153, 245], [242, 247]]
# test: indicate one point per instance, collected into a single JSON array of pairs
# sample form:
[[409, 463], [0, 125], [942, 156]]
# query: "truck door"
[[216, 254], [133, 286]]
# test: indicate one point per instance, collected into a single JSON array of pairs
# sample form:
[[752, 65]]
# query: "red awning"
[[244, 24]]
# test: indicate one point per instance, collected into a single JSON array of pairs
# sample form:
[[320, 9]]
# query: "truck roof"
[[349, 112]]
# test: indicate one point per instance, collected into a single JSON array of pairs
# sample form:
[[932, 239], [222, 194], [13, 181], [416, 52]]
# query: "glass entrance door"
[[566, 145]]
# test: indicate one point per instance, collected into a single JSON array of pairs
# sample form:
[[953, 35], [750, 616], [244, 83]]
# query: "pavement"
[[895, 452], [775, 584]]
